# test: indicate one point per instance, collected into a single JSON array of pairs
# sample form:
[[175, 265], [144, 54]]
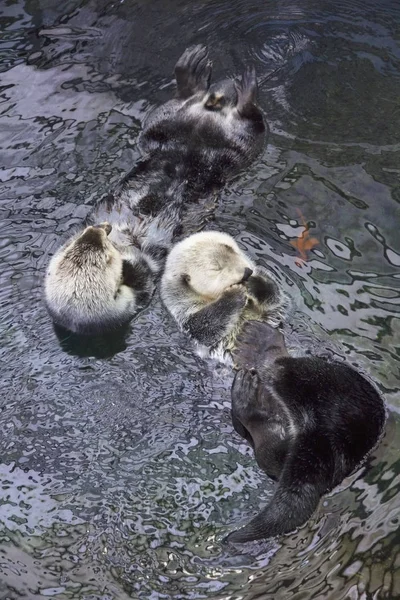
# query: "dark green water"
[[120, 474]]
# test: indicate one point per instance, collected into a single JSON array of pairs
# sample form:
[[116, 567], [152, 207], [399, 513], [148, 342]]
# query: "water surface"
[[119, 466]]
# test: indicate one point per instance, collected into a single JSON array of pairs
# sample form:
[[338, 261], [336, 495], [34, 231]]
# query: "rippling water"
[[119, 466]]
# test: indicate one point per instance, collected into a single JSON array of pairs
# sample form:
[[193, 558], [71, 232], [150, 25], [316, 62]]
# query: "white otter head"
[[209, 263], [84, 288]]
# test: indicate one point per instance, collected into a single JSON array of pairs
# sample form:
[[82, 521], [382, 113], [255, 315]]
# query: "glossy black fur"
[[311, 423]]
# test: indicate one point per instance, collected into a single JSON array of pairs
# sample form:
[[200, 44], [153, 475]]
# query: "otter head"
[[211, 262], [83, 285], [221, 95], [91, 260]]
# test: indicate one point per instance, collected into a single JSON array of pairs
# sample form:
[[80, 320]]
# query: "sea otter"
[[107, 271], [311, 423], [211, 288]]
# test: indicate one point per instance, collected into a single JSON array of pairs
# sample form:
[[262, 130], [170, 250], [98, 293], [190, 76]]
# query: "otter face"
[[217, 269], [221, 95], [83, 282], [210, 262]]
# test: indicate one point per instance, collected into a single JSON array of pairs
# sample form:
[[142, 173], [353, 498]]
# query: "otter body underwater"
[[107, 271], [311, 423], [212, 288]]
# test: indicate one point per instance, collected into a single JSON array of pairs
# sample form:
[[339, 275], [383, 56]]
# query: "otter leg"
[[253, 406], [138, 276], [193, 71], [247, 97], [241, 430], [247, 88], [213, 322]]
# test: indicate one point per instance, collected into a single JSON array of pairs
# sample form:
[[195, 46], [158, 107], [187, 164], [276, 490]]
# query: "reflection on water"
[[120, 470]]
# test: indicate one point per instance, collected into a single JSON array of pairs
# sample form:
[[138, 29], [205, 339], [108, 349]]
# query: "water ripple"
[[120, 468]]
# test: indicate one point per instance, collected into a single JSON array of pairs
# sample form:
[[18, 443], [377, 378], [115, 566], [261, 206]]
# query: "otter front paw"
[[216, 320], [236, 297], [247, 88], [193, 71], [244, 390], [262, 290], [249, 346]]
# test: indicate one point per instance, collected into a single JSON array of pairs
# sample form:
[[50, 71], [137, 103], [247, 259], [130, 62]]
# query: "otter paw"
[[263, 290], [245, 387], [193, 71], [250, 333], [247, 88], [248, 343], [236, 296]]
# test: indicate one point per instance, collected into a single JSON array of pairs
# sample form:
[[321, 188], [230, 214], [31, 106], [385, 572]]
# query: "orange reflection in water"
[[304, 242]]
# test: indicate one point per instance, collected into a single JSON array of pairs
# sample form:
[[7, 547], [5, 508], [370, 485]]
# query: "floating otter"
[[211, 288], [310, 422], [104, 274]]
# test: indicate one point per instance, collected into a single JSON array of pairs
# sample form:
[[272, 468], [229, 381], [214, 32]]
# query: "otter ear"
[[229, 248], [185, 278]]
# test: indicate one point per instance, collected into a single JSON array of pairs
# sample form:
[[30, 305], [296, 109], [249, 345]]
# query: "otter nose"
[[247, 274], [106, 226], [92, 236]]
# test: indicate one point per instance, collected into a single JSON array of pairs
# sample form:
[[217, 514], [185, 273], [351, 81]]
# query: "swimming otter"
[[310, 422], [211, 288], [102, 275]]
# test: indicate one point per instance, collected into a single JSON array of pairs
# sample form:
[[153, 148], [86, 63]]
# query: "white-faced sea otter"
[[212, 288], [107, 271]]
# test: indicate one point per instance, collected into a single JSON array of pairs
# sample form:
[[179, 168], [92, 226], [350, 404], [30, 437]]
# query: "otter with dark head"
[[310, 422], [191, 145]]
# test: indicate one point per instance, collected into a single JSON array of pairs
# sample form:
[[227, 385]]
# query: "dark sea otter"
[[311, 423]]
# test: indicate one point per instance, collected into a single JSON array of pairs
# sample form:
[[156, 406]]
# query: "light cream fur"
[[84, 281], [206, 271]]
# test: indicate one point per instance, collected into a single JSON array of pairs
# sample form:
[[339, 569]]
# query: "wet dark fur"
[[185, 157], [311, 423]]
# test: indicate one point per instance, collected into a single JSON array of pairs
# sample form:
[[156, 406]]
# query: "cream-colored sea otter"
[[93, 284], [211, 288], [191, 145]]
